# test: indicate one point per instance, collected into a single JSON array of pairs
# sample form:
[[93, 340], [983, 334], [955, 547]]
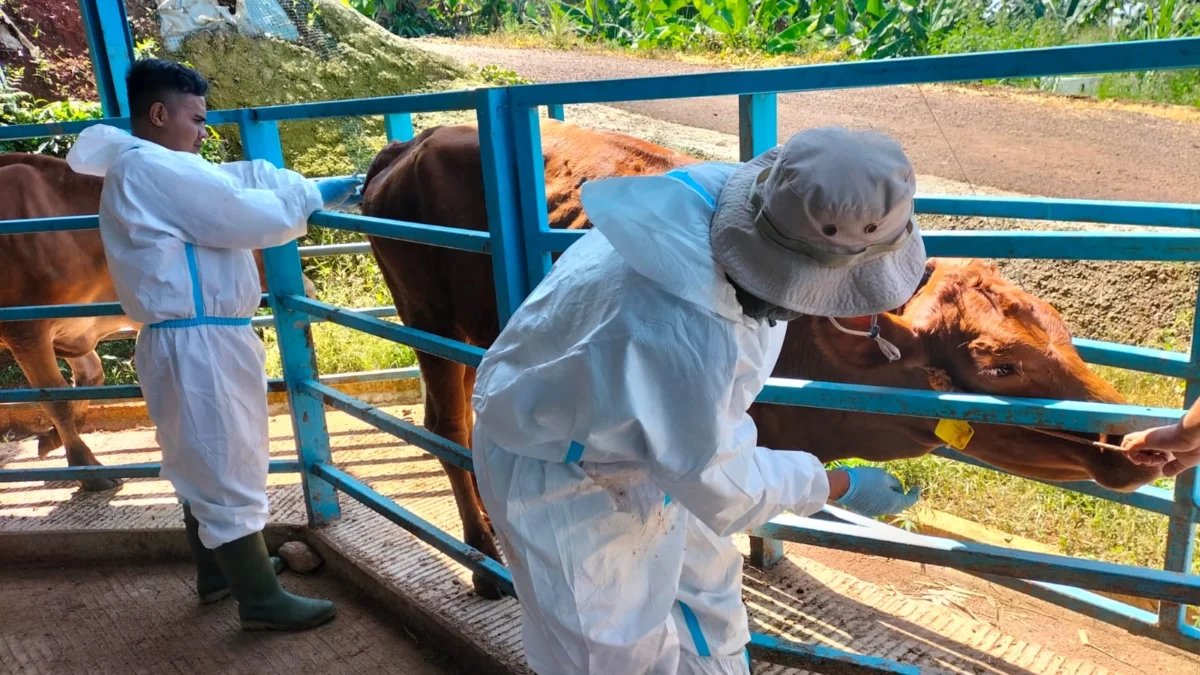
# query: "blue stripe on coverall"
[[202, 318]]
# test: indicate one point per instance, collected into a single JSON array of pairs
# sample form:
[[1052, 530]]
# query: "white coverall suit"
[[178, 234], [613, 449]]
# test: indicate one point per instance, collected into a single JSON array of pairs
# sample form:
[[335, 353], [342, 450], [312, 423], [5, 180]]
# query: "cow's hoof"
[[100, 484], [48, 443], [485, 589]]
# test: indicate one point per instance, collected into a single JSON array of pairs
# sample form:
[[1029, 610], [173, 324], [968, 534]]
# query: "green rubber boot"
[[210, 583], [262, 603]]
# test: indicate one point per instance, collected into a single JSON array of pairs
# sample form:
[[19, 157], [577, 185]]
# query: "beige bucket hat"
[[823, 225]]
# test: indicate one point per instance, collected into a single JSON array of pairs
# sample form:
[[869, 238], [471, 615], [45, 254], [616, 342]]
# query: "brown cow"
[[54, 268], [967, 326]]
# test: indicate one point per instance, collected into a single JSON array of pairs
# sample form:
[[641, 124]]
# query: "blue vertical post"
[[757, 133], [758, 124], [531, 185], [496, 143], [398, 127], [111, 47], [1181, 531], [555, 111], [260, 140]]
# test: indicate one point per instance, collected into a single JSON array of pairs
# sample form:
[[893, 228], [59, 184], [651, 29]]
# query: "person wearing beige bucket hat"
[[612, 444], [823, 225]]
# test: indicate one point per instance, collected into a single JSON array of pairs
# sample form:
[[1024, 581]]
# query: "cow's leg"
[[468, 391], [447, 413], [35, 355], [86, 371]]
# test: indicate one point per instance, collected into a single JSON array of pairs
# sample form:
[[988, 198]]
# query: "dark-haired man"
[[178, 235]]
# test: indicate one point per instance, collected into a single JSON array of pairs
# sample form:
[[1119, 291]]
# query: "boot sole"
[[291, 627], [215, 596]]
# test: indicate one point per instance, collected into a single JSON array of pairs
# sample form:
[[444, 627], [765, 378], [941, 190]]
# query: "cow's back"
[[437, 179]]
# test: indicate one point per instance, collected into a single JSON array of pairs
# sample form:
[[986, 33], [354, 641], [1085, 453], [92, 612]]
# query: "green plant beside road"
[[754, 32]]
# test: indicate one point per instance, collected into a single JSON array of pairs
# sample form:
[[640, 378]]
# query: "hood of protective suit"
[[660, 225], [98, 148]]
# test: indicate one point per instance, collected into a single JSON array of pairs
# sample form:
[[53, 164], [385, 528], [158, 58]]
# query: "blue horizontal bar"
[[386, 375], [327, 250], [1066, 210], [417, 339], [434, 235], [63, 224], [423, 438], [1149, 246], [116, 391], [465, 555], [820, 659], [129, 391], [983, 558], [66, 223], [1129, 357], [143, 470], [1100, 58], [42, 312], [383, 105], [12, 132], [1045, 413], [1147, 497]]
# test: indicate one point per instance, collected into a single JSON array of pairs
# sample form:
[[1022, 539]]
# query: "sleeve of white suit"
[[704, 454], [209, 207], [664, 398], [260, 174]]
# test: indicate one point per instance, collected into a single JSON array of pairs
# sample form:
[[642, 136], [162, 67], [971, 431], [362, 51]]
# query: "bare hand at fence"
[[1180, 443]]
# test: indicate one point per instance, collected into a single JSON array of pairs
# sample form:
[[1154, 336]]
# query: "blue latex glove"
[[337, 192], [875, 492]]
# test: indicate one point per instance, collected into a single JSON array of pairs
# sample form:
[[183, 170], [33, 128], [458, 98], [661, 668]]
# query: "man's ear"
[[158, 114], [858, 352]]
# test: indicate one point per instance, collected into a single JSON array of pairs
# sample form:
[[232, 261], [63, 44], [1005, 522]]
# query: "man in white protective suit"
[[178, 235], [612, 444]]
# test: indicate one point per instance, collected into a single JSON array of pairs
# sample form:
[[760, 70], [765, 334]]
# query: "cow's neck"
[[833, 435]]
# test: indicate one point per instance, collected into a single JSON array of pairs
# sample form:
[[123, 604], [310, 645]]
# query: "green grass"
[[347, 281], [1077, 524]]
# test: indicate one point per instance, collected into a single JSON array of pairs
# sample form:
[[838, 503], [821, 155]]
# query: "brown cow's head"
[[969, 329]]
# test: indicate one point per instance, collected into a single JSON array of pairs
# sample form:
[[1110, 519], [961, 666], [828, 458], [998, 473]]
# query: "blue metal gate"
[[520, 243]]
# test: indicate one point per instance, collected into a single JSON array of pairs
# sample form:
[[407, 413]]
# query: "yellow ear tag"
[[956, 433]]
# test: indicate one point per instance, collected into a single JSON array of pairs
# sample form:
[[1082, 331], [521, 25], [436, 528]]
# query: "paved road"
[[1013, 142]]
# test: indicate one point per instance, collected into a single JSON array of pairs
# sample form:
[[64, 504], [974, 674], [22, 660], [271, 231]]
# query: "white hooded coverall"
[[178, 235], [612, 445]]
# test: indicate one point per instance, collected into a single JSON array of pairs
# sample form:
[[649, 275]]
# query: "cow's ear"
[[858, 352]]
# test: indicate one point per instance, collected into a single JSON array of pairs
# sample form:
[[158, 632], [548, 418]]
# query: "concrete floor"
[[937, 619], [127, 620]]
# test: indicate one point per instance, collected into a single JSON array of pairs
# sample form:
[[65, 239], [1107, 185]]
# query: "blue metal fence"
[[521, 242]]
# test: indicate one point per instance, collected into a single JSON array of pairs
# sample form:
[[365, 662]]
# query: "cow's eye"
[[1000, 371]]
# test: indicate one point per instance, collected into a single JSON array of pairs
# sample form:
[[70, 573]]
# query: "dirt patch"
[[55, 27], [1016, 614]]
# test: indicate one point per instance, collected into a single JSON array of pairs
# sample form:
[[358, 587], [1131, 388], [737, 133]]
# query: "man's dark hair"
[[152, 81]]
